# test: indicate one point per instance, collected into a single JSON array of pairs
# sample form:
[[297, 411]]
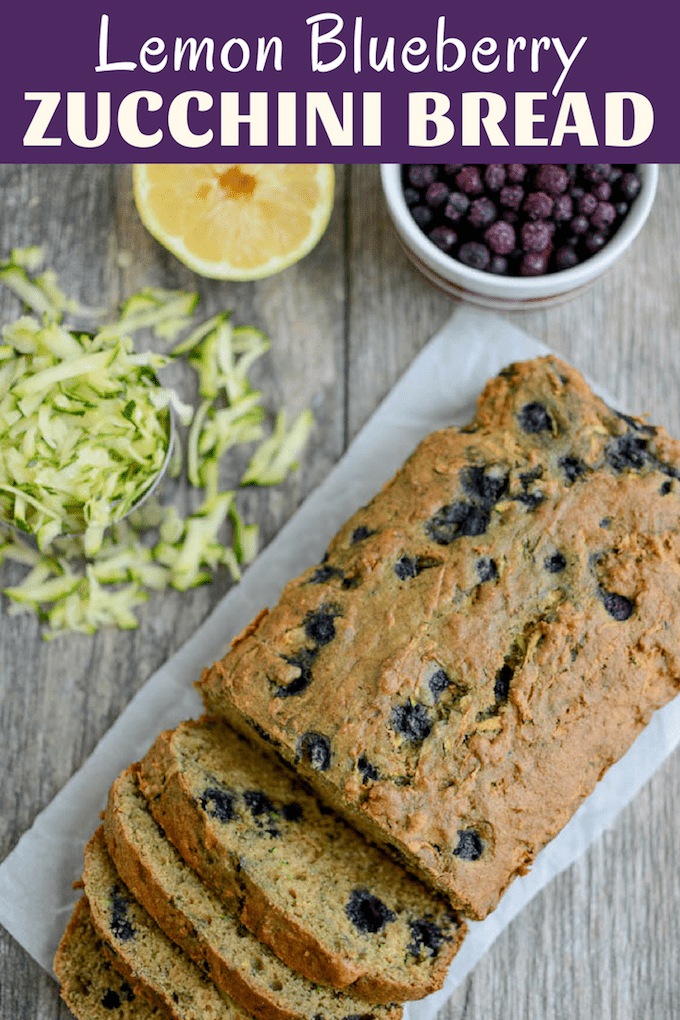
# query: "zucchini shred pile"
[[86, 432]]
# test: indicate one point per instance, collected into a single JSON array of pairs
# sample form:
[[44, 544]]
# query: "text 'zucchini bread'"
[[484, 639]]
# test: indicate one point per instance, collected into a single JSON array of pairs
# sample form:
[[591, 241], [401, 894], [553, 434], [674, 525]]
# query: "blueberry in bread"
[[151, 963], [90, 985], [195, 918], [325, 901], [484, 639]]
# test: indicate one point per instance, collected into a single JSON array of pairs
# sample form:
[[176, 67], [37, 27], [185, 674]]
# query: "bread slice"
[[140, 949], [195, 918], [326, 902], [484, 639], [91, 987]]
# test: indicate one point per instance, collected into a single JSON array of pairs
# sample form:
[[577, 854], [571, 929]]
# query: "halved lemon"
[[235, 221]]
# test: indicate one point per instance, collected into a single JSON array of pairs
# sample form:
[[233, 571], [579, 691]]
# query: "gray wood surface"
[[603, 940]]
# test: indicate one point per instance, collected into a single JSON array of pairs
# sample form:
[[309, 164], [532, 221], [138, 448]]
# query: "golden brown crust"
[[483, 639]]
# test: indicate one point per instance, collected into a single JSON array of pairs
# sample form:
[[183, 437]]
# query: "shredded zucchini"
[[85, 431]]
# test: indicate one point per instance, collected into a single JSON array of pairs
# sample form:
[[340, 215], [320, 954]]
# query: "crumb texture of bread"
[[194, 917], [142, 952], [325, 901], [483, 639], [91, 986]]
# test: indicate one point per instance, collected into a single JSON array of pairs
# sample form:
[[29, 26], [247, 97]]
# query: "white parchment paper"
[[440, 388]]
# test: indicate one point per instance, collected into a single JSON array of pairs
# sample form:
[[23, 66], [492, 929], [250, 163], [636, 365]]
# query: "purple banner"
[[302, 81]]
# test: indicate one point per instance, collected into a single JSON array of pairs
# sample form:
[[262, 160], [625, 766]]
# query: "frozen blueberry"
[[422, 214], [579, 225], [587, 203], [421, 175], [443, 237], [511, 196], [499, 265], [369, 772], [596, 171], [474, 254], [500, 238], [439, 682], [533, 264], [451, 169], [573, 467], [516, 172], [501, 687], [320, 625], [566, 257], [457, 519], [535, 237], [315, 749], [368, 913], [360, 533], [218, 803], [456, 207], [120, 925], [469, 846], [437, 194], [555, 564], [469, 181], [602, 191], [617, 606], [533, 417], [411, 195], [538, 205], [411, 721], [621, 208], [427, 937], [494, 176], [551, 178], [629, 186], [563, 209], [604, 215], [595, 240], [482, 212]]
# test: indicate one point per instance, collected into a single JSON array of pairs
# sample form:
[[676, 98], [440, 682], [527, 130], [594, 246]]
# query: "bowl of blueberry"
[[517, 235]]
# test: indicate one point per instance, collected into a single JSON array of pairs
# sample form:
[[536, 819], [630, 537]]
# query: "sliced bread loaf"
[[329, 904], [140, 949], [195, 918], [90, 986]]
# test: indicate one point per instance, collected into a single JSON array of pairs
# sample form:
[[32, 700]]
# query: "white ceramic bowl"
[[511, 292]]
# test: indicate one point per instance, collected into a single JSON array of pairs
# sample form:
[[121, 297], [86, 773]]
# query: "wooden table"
[[603, 940]]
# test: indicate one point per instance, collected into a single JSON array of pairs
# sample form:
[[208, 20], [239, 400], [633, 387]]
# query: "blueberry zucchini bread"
[[140, 950], [90, 986], [195, 918], [484, 639], [326, 902]]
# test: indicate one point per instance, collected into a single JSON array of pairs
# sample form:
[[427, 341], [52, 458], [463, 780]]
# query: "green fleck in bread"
[[326, 902], [484, 639], [90, 986], [140, 949], [197, 920]]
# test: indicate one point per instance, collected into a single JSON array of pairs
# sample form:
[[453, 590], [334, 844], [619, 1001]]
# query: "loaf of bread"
[[196, 919], [484, 639], [90, 985], [326, 902]]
